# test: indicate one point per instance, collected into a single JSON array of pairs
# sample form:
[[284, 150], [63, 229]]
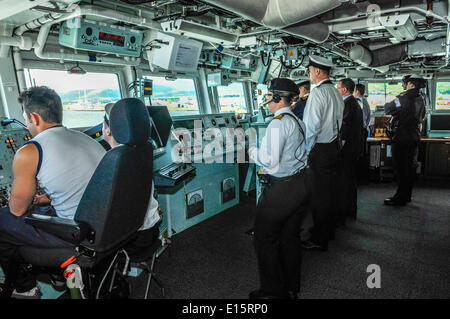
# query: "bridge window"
[[442, 96], [83, 96], [231, 98], [179, 95], [382, 93]]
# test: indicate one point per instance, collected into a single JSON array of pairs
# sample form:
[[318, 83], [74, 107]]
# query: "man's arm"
[[346, 122], [312, 117], [24, 183], [392, 107], [272, 144], [366, 112]]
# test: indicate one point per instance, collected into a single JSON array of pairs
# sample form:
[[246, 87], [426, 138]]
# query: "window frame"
[[244, 94], [434, 96], [48, 66], [187, 77], [386, 83]]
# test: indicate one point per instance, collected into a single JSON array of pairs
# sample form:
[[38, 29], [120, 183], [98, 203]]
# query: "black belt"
[[269, 179]]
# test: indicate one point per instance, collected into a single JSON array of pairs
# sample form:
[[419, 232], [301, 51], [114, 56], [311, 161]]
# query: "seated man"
[[58, 159], [149, 231]]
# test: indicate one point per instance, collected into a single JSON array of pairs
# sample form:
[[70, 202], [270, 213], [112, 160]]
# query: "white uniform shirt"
[[67, 161], [282, 150], [152, 215], [323, 113]]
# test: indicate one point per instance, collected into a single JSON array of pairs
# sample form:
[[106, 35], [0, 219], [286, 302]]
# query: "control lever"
[[9, 121]]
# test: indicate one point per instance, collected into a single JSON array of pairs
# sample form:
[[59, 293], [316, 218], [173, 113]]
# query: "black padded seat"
[[115, 201]]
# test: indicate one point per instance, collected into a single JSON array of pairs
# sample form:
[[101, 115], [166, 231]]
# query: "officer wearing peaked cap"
[[299, 107], [282, 158], [408, 111], [323, 119]]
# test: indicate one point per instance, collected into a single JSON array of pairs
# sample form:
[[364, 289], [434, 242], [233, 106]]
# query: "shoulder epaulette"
[[304, 98], [278, 117]]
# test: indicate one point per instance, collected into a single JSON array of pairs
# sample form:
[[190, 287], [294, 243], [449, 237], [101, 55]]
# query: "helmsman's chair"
[[111, 210]]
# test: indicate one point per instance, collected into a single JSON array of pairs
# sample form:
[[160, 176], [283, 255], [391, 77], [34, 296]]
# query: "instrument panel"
[[11, 139], [100, 37]]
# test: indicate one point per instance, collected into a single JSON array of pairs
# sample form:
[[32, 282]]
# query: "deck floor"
[[216, 259]]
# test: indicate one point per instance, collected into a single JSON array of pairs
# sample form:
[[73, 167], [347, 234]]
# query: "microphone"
[[265, 103], [9, 121]]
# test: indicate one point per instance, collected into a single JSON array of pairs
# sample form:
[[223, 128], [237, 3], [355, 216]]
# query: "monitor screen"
[[439, 122], [161, 124]]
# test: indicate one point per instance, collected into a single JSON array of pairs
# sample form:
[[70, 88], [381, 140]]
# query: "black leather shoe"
[[259, 294], [309, 245], [391, 201]]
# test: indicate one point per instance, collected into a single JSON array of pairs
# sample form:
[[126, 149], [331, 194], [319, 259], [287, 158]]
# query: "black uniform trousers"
[[324, 166], [348, 182], [403, 162], [362, 171], [276, 234]]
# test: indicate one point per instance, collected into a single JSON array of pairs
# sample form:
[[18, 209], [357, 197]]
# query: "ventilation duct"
[[283, 14], [360, 55], [379, 59], [389, 55], [313, 29]]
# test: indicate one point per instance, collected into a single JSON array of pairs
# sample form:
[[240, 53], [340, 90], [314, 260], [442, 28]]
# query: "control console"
[[11, 139], [173, 174]]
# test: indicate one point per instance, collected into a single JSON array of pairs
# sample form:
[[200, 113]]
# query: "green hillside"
[[91, 95]]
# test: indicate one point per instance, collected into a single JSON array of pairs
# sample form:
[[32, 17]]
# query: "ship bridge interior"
[[202, 66]]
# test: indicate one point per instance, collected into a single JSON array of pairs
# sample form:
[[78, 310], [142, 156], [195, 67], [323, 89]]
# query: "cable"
[[262, 58], [292, 67], [109, 269]]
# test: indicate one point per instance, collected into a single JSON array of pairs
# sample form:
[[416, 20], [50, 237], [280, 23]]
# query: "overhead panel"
[[199, 31], [100, 37], [239, 64], [174, 53], [400, 26]]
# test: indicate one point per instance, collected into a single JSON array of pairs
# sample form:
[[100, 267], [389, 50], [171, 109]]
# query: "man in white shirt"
[[323, 119], [282, 158], [360, 89], [149, 231]]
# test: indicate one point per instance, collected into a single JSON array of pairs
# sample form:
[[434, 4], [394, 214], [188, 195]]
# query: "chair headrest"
[[130, 122]]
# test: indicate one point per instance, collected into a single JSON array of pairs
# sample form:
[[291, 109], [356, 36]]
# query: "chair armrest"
[[66, 229]]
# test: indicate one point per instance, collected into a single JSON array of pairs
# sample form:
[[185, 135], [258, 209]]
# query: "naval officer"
[[282, 158], [299, 107], [408, 112], [323, 119]]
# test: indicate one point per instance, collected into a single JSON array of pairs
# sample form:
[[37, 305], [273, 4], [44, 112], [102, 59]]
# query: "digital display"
[[118, 40]]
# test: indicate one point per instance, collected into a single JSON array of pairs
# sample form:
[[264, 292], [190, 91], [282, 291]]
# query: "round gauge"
[[89, 31], [227, 120], [196, 198], [133, 39], [213, 122], [228, 184]]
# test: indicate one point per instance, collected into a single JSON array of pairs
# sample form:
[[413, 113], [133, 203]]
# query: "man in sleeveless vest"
[[61, 162]]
